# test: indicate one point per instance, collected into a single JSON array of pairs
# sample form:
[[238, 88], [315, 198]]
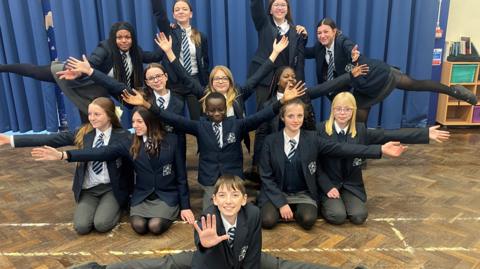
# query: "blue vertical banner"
[[47, 13]]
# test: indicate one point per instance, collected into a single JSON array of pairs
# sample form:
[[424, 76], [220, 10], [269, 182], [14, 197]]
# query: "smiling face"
[[220, 82], [279, 10], [182, 12], [326, 35], [123, 39], [156, 79], [229, 201], [139, 124], [293, 117], [287, 76], [342, 112], [216, 109], [98, 117]]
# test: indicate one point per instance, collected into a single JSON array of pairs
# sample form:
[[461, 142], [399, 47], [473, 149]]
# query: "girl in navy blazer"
[[197, 49], [342, 192], [271, 24], [99, 196], [380, 80], [161, 188], [290, 171]]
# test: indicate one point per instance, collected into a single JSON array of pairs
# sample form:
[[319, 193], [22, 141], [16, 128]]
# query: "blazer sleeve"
[[188, 82], [260, 18], [180, 171], [329, 86], [252, 122], [106, 153], [267, 175], [254, 252], [161, 18], [333, 149], [99, 55], [404, 135], [178, 122], [55, 140], [255, 79], [114, 87], [152, 56], [310, 52], [323, 180], [206, 59], [347, 46], [300, 64]]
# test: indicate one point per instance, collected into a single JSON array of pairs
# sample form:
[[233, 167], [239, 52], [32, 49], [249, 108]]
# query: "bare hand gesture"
[[187, 215], [438, 135], [208, 232], [280, 45], [360, 70], [135, 100], [4, 140], [333, 193], [393, 149], [301, 30], [46, 153], [164, 42], [292, 92], [82, 66], [355, 54], [286, 212], [68, 74]]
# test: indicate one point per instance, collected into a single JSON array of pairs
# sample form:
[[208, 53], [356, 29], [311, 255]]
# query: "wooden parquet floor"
[[424, 212]]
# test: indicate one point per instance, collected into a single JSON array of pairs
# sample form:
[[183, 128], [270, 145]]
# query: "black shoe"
[[464, 94], [88, 265], [361, 267]]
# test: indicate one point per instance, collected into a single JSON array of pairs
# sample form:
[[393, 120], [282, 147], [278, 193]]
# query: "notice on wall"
[[437, 56]]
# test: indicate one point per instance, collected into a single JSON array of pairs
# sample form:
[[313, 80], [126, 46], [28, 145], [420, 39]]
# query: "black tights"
[[305, 215], [143, 225], [38, 72]]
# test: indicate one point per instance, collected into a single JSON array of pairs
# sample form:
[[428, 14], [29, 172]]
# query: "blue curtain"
[[399, 32]]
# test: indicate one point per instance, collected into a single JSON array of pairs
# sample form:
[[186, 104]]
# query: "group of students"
[[305, 168]]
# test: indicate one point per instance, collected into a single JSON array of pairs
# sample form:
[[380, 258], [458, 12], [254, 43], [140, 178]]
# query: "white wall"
[[464, 20]]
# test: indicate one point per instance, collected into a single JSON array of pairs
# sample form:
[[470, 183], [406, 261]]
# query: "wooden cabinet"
[[451, 111]]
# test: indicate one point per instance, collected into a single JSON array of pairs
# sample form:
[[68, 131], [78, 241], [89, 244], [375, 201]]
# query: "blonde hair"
[[344, 97], [231, 92]]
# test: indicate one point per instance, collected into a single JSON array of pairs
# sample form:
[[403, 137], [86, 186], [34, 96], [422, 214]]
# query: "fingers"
[[204, 224], [223, 237], [214, 223], [197, 228]]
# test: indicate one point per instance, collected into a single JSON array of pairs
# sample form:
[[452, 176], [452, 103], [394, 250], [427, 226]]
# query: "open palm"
[[208, 232]]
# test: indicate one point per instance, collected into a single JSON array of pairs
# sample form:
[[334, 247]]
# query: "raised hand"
[[68, 74], [135, 99], [187, 215], [333, 193], [286, 212], [4, 140], [393, 149], [355, 54], [301, 30], [360, 70], [208, 232], [438, 135], [82, 66], [164, 42], [292, 92], [46, 153]]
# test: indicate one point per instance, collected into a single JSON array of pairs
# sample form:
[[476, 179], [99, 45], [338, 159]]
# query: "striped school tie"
[[161, 102], [231, 236], [331, 65], [187, 61], [291, 153], [216, 130], [97, 166], [128, 71]]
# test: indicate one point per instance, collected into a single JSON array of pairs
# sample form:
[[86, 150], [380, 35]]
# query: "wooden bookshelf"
[[451, 111]]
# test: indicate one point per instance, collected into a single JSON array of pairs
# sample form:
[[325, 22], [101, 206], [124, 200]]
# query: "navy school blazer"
[[120, 169], [352, 179], [163, 25], [213, 160], [247, 245], [311, 149], [168, 180], [267, 32]]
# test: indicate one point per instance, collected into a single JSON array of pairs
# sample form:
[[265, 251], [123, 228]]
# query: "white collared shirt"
[[284, 27], [332, 49], [279, 95], [286, 142], [221, 133], [338, 130], [227, 224], [193, 50], [91, 178], [129, 61], [165, 97]]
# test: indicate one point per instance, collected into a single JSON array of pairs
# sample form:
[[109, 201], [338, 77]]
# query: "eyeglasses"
[[156, 77], [279, 5], [218, 79], [338, 109]]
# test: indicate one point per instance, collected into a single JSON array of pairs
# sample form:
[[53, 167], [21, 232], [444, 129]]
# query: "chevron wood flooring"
[[424, 212]]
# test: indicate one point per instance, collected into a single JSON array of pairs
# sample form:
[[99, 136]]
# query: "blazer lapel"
[[240, 236], [279, 152]]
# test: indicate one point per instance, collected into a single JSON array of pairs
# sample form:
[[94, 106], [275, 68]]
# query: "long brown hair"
[[196, 37], [329, 22], [289, 10], [109, 107], [147, 90], [155, 132]]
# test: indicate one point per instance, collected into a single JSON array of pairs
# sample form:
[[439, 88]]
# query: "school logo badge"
[[167, 169], [357, 162], [231, 138], [312, 167], [243, 252]]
